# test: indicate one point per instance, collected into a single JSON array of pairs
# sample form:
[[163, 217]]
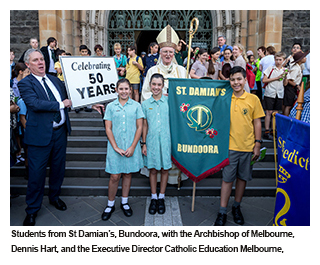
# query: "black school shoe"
[[161, 206], [153, 208], [237, 215], [128, 212], [221, 219], [106, 215]]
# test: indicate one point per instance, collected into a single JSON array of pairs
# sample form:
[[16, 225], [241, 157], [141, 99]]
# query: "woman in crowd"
[[200, 67], [213, 66], [226, 65], [241, 60]]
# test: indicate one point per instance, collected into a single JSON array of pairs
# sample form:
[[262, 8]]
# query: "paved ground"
[[86, 211]]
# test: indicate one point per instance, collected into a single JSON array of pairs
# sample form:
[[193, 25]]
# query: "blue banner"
[[200, 124], [293, 184]]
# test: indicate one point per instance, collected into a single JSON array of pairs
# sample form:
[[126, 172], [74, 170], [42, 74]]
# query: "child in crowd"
[[200, 67], [57, 65], [84, 50], [123, 122], [226, 65], [252, 67], [193, 57], [181, 55], [261, 53], [213, 67], [20, 71], [245, 139], [274, 77], [98, 50], [22, 119], [296, 47], [120, 59], [152, 58], [156, 141], [133, 68], [267, 60], [294, 80], [12, 63]]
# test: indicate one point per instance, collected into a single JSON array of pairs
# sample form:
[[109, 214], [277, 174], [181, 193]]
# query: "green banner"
[[200, 124]]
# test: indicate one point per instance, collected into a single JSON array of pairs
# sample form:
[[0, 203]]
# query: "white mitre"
[[168, 38]]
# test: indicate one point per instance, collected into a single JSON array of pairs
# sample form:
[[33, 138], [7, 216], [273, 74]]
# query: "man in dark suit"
[[49, 54], [46, 133]]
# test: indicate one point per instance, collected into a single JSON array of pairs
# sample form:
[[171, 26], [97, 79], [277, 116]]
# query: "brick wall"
[[296, 28], [24, 24]]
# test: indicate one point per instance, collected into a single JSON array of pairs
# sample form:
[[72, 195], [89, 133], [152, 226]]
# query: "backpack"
[[137, 60], [250, 76]]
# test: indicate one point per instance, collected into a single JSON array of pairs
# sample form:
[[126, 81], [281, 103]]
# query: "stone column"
[[243, 28], [253, 31], [237, 22], [273, 28], [62, 25], [48, 26]]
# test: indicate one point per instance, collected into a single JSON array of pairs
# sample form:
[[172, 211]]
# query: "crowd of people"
[[137, 122]]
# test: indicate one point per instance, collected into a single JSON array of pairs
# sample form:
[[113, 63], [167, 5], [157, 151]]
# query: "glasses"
[[167, 52]]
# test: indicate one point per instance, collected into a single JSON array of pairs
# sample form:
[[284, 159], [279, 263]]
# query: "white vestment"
[[174, 71]]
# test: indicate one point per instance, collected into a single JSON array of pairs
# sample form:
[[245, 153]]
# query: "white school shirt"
[[274, 88], [266, 62]]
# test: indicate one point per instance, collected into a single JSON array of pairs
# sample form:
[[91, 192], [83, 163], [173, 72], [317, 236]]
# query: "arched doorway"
[[144, 39], [128, 26]]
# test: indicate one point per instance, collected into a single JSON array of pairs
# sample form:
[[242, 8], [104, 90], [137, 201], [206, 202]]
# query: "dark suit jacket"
[[46, 57], [39, 126]]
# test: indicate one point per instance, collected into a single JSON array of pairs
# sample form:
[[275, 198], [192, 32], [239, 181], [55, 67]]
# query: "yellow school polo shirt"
[[133, 72], [243, 111]]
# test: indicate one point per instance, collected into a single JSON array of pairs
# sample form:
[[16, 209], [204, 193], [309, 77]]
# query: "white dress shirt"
[[56, 95], [51, 65]]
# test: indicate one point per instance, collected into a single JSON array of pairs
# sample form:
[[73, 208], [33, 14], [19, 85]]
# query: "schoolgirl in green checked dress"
[[157, 141], [124, 120]]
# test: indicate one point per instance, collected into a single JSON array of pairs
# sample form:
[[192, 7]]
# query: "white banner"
[[89, 80]]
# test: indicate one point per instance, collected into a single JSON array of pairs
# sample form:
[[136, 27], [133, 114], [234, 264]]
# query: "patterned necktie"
[[57, 115]]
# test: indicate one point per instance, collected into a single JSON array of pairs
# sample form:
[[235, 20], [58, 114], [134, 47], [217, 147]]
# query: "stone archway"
[[109, 26], [125, 26]]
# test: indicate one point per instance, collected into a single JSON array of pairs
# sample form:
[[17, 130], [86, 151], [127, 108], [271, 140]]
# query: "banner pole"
[[193, 196], [179, 179], [300, 102], [191, 33], [275, 146]]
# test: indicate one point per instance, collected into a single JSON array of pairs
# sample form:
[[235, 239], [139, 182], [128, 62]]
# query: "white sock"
[[154, 196], [161, 195], [124, 200], [110, 204]]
